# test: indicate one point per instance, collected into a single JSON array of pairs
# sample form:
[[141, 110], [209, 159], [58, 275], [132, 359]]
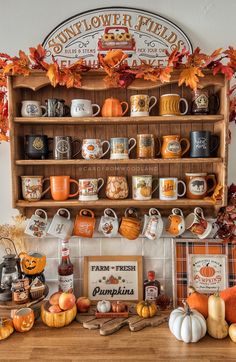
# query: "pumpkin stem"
[[186, 307], [191, 290], [217, 293]]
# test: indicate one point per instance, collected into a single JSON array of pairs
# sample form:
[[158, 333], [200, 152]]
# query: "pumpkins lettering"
[[217, 327], [229, 296], [146, 309], [6, 328], [32, 263], [198, 301], [23, 319], [112, 107], [187, 325], [103, 306]]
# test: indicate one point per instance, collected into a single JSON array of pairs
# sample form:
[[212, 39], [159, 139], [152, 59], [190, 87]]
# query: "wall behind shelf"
[[208, 24]]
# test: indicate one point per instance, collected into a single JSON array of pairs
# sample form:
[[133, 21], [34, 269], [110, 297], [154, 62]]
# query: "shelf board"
[[118, 162], [47, 203], [119, 120]]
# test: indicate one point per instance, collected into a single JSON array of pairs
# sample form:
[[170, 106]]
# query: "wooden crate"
[[37, 87]]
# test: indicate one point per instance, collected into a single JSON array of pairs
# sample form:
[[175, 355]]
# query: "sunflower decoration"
[[120, 37], [127, 36], [140, 104]]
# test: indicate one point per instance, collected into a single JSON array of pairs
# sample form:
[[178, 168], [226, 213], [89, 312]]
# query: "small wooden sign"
[[113, 278]]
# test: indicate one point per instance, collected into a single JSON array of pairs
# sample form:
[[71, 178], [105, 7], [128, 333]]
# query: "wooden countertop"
[[74, 343]]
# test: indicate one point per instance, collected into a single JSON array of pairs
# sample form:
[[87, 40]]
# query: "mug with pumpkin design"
[[61, 226], [109, 223], [84, 224], [141, 104], [176, 223], [142, 187], [32, 263], [197, 224], [130, 226], [37, 225], [92, 148], [153, 224]]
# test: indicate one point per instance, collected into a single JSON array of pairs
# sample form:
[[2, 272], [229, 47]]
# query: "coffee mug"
[[32, 109], [83, 108], [62, 147], [60, 187], [113, 107], [142, 187], [56, 108], [32, 187], [203, 103], [61, 226], [203, 144], [84, 224], [172, 148], [198, 185], [37, 225], [121, 147], [93, 148], [88, 188], [141, 105], [145, 146], [153, 224], [169, 105], [197, 224], [109, 223], [130, 226], [168, 188], [176, 223], [117, 187], [36, 147]]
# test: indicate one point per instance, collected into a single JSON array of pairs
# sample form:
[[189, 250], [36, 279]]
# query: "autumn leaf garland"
[[119, 73]]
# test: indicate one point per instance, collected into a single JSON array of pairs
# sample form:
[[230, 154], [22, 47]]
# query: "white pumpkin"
[[104, 306], [187, 325]]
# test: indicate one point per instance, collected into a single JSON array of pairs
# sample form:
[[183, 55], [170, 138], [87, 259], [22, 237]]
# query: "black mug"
[[203, 144], [56, 108], [36, 147]]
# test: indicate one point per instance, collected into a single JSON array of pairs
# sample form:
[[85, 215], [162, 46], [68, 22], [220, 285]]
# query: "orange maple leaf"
[[53, 74], [189, 77], [165, 74]]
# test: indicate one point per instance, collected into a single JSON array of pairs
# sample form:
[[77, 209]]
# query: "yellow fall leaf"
[[189, 76], [52, 74]]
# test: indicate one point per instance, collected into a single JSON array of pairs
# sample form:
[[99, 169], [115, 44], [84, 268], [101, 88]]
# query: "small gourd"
[[198, 301], [217, 326], [146, 309], [103, 306], [6, 328], [187, 324]]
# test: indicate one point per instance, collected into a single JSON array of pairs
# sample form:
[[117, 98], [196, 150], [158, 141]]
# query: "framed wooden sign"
[[113, 278]]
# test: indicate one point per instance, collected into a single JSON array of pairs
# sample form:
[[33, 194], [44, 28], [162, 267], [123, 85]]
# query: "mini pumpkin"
[[32, 263], [23, 319], [146, 309], [118, 307], [6, 328], [103, 306], [198, 301]]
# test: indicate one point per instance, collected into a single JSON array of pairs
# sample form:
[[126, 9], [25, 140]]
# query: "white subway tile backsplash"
[[90, 246], [153, 248], [111, 246], [51, 269], [167, 248], [168, 268], [49, 247], [131, 247]]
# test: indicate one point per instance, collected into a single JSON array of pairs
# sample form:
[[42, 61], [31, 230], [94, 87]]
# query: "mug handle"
[[186, 106], [49, 187], [66, 211], [108, 147], [102, 183], [87, 211], [213, 178], [78, 141], [108, 210], [153, 180], [154, 103], [45, 109], [159, 146], [184, 186], [130, 140], [198, 212], [126, 108], [77, 192], [153, 212], [214, 103], [187, 145], [214, 142], [41, 211], [98, 109], [177, 211]]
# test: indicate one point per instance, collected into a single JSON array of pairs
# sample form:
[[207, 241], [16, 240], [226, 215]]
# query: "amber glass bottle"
[[151, 288], [65, 269]]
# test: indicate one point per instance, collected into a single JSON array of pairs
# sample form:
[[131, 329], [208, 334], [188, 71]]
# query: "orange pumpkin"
[[23, 319], [6, 328], [229, 296], [32, 263], [198, 301], [146, 309], [118, 307], [112, 107], [207, 271]]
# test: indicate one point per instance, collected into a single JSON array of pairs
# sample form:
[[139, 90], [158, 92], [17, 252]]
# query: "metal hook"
[[3, 237]]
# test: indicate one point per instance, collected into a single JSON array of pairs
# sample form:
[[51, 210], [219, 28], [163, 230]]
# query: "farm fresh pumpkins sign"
[[113, 277], [144, 36]]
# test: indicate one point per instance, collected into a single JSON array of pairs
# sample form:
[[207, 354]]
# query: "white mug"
[[89, 188], [109, 224], [140, 105], [168, 188], [37, 225], [121, 147], [142, 187], [92, 148], [153, 224], [83, 108], [32, 109], [197, 224], [61, 227]]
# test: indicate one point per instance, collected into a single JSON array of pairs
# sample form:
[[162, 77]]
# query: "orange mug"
[[112, 107], [130, 226], [172, 148], [84, 224], [60, 187]]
